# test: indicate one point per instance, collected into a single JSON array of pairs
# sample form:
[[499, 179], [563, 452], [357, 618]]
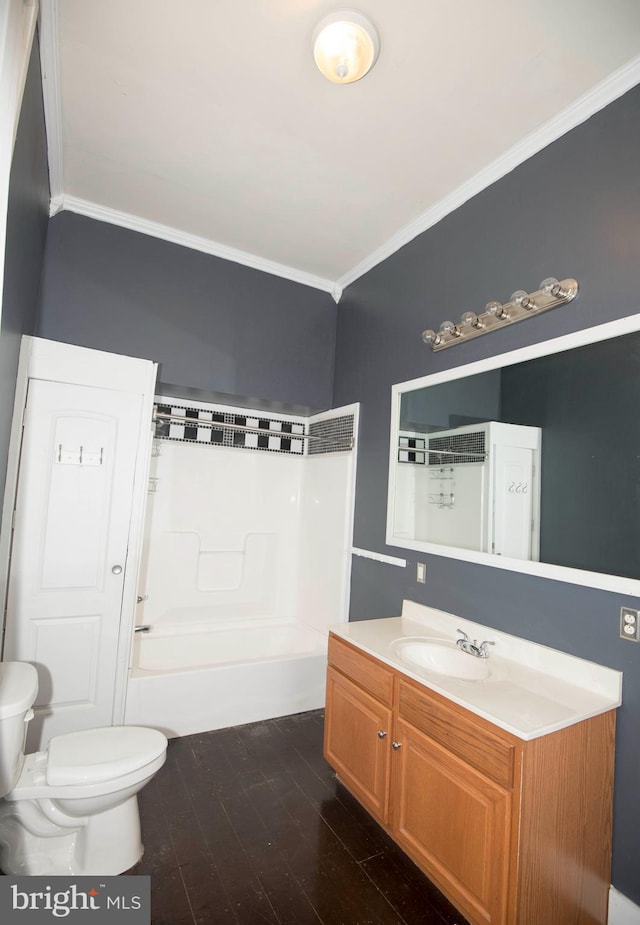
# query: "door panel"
[[356, 742], [455, 823], [69, 552], [57, 644], [78, 502]]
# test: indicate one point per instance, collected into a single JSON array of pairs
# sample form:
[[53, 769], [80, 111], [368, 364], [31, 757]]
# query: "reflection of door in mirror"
[[473, 487]]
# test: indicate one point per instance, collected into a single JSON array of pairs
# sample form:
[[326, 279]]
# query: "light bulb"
[[522, 299], [431, 337], [553, 288], [448, 327], [496, 309], [549, 284], [470, 320]]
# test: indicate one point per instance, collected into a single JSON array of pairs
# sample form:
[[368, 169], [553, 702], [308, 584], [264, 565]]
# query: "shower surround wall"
[[245, 565]]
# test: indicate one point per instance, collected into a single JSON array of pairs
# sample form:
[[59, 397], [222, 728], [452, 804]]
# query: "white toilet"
[[71, 809]]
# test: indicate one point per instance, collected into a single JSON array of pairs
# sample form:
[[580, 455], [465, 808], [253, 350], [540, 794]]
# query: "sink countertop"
[[532, 690]]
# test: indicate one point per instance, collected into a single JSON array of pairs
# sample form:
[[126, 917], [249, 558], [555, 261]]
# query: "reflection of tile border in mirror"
[[409, 449]]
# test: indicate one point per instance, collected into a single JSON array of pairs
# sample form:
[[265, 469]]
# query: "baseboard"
[[621, 910]]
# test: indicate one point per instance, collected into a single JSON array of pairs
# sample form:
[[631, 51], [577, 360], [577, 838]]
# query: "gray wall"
[[213, 325], [27, 220], [572, 210]]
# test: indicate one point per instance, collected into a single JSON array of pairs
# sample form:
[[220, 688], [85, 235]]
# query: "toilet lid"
[[101, 754]]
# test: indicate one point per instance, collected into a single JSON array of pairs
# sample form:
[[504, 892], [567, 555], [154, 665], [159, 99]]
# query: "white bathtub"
[[196, 680]]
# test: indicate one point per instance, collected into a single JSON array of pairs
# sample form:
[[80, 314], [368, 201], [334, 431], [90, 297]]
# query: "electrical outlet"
[[629, 625], [421, 572]]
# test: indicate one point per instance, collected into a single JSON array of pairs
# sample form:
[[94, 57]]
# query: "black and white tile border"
[[411, 450], [270, 434], [335, 435], [457, 449], [276, 435], [454, 449]]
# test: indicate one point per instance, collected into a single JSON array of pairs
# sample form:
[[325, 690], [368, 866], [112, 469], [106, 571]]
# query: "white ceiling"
[[206, 121]]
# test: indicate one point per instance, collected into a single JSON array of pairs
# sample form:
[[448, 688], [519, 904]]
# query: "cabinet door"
[[454, 822], [357, 745]]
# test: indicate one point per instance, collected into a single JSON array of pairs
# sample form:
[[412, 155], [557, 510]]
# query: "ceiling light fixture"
[[345, 46]]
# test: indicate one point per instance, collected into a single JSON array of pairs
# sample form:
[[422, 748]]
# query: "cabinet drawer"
[[374, 677], [466, 737]]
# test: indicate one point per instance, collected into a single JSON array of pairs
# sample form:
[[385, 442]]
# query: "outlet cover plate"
[[629, 624]]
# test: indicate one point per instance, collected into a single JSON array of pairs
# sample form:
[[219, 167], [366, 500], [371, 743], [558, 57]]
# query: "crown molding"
[[183, 238], [51, 95], [582, 109]]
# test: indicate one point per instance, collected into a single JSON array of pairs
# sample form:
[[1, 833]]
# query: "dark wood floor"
[[249, 826]]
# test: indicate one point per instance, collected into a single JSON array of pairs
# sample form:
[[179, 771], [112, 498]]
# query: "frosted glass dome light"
[[345, 46]]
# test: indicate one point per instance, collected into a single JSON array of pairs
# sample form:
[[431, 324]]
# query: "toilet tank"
[[18, 689]]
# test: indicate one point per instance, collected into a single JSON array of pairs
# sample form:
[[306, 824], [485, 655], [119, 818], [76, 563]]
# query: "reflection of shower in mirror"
[[474, 487]]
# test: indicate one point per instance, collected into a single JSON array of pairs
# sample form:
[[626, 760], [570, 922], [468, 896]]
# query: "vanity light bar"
[[497, 315]]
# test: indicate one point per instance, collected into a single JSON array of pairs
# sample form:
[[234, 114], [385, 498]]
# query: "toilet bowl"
[[71, 809]]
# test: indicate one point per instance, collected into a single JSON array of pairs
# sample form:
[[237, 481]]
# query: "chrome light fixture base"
[[498, 315]]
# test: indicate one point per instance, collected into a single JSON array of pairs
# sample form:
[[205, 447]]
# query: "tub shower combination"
[[246, 563]]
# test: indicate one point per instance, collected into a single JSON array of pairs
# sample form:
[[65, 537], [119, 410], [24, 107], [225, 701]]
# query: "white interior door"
[[69, 551]]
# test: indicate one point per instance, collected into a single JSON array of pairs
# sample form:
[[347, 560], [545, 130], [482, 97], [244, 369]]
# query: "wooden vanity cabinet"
[[514, 832], [356, 741]]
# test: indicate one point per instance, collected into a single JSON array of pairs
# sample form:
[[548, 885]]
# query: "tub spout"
[[142, 629]]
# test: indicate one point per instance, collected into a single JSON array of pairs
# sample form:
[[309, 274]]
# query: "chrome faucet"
[[142, 629], [479, 650]]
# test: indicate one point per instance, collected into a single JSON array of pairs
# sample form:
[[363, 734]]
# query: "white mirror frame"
[[618, 583]]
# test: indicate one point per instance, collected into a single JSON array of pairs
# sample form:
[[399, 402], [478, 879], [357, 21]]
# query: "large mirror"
[[528, 461]]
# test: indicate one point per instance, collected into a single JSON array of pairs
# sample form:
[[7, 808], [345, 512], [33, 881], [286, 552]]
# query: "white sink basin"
[[441, 657]]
